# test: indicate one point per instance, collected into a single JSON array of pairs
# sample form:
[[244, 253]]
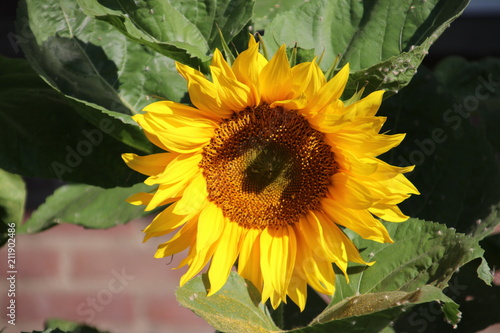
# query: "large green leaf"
[[371, 312], [266, 10], [42, 134], [89, 206], [235, 308], [12, 199], [91, 60], [422, 253], [384, 41], [187, 31]]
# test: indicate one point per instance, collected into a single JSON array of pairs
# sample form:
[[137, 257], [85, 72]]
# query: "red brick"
[[63, 266], [89, 263], [166, 310], [35, 264], [74, 306], [496, 277]]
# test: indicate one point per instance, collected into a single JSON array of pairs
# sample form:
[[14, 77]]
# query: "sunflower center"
[[267, 167]]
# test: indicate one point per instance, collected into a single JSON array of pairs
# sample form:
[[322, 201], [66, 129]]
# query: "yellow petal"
[[315, 234], [140, 198], [297, 291], [278, 247], [340, 244], [181, 241], [388, 212], [330, 91], [150, 164], [367, 106], [180, 111], [166, 221], [150, 129], [197, 261], [307, 79], [224, 256], [249, 258], [203, 93], [318, 272], [170, 121], [194, 197], [350, 192], [359, 221], [364, 144], [221, 64], [292, 104], [186, 139], [210, 226], [276, 78], [247, 67], [165, 192], [354, 164], [233, 94], [181, 167]]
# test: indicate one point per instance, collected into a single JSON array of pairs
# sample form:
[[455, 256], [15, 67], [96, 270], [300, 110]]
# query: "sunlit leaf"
[[88, 206]]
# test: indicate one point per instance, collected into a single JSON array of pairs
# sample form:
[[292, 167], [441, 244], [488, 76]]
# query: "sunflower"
[[266, 171]]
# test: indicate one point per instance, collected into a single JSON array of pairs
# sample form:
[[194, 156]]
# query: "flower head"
[[265, 171]]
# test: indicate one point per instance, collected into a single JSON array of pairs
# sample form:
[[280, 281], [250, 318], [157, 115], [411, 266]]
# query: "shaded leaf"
[[185, 31], [44, 136], [88, 206], [230, 16], [422, 253], [234, 308], [92, 61], [372, 312], [12, 199], [69, 327]]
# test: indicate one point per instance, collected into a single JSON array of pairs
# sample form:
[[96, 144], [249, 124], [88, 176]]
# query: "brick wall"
[[107, 278]]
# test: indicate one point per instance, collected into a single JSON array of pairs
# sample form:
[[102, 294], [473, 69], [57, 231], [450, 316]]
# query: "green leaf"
[[422, 253], [230, 16], [266, 10], [69, 327], [119, 125], [92, 61], [373, 311], [185, 31], [88, 206], [236, 307], [478, 303], [383, 41], [42, 135], [12, 199]]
